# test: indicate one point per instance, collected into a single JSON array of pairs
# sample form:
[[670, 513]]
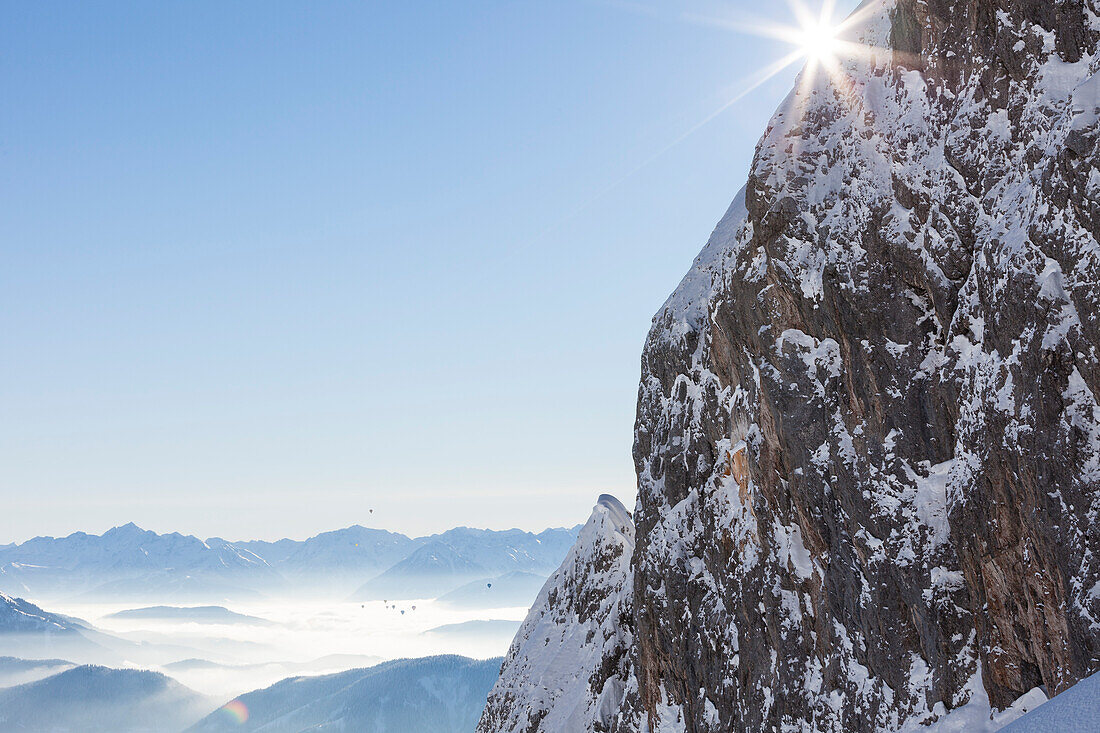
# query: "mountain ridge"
[[129, 563]]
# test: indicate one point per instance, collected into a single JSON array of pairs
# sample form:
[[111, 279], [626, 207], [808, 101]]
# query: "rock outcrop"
[[868, 438]]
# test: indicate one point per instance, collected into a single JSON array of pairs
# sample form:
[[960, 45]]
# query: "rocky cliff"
[[566, 668], [868, 440]]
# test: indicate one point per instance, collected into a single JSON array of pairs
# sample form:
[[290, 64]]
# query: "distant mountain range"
[[128, 563], [499, 629], [191, 614], [462, 555], [93, 699], [341, 559], [511, 590], [443, 694]]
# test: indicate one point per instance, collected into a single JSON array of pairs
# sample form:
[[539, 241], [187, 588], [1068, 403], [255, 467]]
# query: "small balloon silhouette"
[[488, 585]]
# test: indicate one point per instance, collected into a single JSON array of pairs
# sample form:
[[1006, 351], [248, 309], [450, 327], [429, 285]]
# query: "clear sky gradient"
[[268, 266]]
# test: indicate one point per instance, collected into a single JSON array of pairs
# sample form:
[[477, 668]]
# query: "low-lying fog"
[[301, 638]]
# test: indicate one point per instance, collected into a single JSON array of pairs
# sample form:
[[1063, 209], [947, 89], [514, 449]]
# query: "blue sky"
[[267, 266]]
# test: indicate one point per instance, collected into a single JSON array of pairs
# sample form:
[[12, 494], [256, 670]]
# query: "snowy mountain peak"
[[127, 530], [565, 668], [621, 515]]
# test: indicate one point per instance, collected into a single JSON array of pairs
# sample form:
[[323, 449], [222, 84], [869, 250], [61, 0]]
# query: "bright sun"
[[818, 40], [816, 34]]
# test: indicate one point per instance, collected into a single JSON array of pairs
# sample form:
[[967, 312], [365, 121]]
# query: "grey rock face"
[[868, 439]]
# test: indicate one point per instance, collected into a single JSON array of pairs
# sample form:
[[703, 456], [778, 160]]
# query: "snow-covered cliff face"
[[868, 443], [868, 439], [566, 668]]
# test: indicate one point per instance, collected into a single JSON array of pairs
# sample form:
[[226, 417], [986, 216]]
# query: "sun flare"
[[818, 40], [817, 35]]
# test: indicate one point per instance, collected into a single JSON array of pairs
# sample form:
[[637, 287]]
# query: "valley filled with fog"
[[171, 630], [295, 637]]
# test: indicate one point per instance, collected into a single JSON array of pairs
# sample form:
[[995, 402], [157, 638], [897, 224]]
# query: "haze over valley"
[[195, 624]]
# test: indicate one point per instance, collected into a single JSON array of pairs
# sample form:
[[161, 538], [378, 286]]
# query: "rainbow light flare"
[[236, 711]]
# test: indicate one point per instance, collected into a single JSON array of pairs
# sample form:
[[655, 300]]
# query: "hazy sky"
[[267, 266]]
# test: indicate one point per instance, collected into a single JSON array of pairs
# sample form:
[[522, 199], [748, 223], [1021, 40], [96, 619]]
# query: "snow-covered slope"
[[28, 632], [564, 670], [431, 695], [18, 616], [868, 434], [1077, 710]]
